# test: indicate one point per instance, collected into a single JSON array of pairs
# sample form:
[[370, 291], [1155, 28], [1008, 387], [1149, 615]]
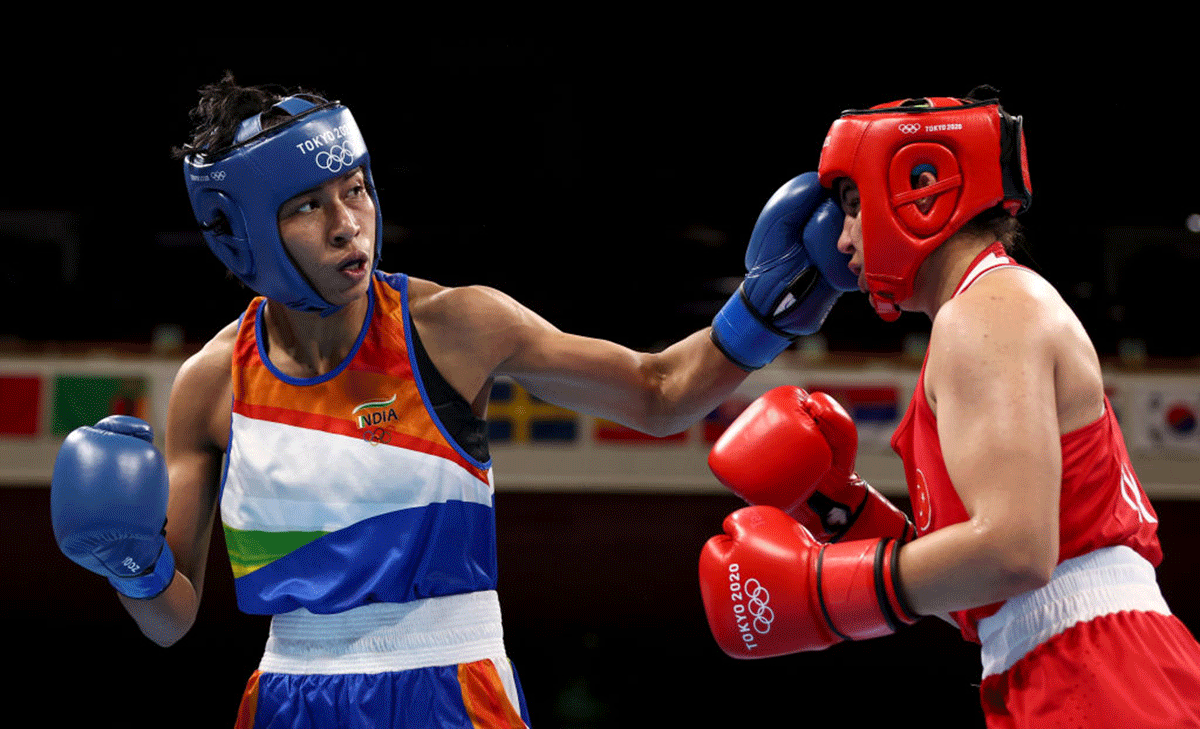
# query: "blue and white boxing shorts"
[[438, 662]]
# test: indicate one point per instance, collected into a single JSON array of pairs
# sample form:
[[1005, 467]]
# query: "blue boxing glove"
[[795, 273], [108, 505]]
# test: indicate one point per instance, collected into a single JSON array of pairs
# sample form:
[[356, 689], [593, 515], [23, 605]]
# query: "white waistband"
[[1105, 581], [437, 631]]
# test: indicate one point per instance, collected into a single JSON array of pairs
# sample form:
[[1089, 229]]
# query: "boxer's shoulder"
[[1009, 302], [1013, 321], [202, 394]]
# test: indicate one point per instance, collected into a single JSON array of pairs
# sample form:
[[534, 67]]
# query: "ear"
[[925, 177], [924, 185], [230, 244]]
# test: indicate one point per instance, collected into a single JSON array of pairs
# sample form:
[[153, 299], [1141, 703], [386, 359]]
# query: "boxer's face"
[[330, 233], [850, 241]]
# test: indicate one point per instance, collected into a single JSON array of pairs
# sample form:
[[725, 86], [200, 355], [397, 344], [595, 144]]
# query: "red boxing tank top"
[[1102, 502]]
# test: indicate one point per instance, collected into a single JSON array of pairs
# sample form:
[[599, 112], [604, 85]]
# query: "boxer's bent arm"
[[994, 391], [197, 421]]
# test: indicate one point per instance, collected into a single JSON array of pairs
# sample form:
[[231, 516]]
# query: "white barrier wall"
[[540, 446]]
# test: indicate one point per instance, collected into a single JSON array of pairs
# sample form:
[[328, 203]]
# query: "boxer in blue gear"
[[373, 552]]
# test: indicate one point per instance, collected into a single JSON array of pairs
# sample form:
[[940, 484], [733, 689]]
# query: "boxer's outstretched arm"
[[484, 332], [657, 393]]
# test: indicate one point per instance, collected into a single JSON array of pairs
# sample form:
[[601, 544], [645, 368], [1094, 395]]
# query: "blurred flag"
[[515, 416], [1170, 419], [22, 398], [84, 399]]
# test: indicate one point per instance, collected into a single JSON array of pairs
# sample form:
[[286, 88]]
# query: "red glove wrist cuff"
[[858, 587]]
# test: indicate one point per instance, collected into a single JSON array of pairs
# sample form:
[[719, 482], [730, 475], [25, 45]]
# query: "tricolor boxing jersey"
[[347, 489], [1102, 502]]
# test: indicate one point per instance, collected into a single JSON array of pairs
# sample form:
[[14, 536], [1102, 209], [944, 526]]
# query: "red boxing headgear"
[[976, 151]]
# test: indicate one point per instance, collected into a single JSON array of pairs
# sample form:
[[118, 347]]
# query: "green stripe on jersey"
[[250, 549]]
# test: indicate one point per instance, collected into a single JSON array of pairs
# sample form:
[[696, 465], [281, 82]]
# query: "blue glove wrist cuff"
[[149, 584], [742, 336]]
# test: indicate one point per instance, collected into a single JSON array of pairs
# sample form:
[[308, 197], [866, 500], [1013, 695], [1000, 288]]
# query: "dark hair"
[[222, 108], [997, 224]]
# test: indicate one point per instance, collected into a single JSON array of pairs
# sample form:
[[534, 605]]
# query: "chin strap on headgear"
[[236, 193], [974, 149]]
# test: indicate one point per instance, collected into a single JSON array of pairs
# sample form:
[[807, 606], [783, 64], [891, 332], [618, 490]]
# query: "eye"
[[354, 185], [298, 206], [850, 202]]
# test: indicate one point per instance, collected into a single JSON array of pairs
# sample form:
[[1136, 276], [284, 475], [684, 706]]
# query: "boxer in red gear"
[[1034, 533]]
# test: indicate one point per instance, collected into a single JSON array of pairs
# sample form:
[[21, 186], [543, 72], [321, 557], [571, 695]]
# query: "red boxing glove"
[[774, 452], [846, 506], [770, 589], [796, 452]]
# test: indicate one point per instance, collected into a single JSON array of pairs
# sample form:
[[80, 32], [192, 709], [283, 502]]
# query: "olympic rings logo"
[[338, 158], [375, 436], [909, 128], [218, 175], [757, 598]]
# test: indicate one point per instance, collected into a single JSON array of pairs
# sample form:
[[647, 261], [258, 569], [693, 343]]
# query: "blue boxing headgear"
[[248, 182]]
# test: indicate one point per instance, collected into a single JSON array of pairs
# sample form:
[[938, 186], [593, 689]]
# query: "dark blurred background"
[[610, 185]]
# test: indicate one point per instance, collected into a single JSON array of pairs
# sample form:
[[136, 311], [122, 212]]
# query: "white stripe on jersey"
[[287, 478]]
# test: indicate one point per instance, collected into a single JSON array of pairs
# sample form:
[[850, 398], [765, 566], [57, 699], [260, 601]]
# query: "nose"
[[343, 225], [845, 242]]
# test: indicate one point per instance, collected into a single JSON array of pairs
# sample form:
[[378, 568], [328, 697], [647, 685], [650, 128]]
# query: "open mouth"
[[354, 264]]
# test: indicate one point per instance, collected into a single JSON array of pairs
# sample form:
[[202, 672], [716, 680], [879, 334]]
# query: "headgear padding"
[[248, 182], [974, 148]]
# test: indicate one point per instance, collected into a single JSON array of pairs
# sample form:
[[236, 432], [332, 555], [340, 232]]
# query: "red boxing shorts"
[[1097, 647], [1128, 669]]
